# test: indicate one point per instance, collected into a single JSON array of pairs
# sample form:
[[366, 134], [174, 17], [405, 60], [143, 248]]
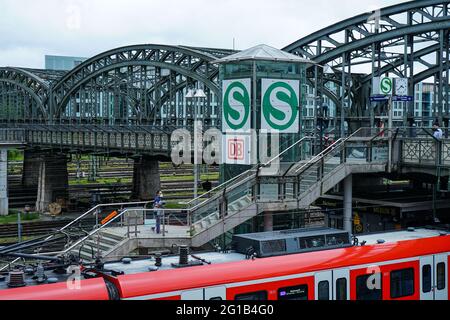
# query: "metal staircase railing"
[[117, 221], [253, 187], [250, 189], [234, 195], [300, 179]]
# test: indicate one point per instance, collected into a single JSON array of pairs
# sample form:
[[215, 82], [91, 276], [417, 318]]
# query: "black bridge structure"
[[142, 88], [129, 100]]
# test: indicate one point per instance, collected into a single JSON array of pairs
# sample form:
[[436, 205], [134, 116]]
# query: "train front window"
[[369, 287], [426, 278], [323, 291], [402, 283], [260, 295], [440, 276], [293, 293]]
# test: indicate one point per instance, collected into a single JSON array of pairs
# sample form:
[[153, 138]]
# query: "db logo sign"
[[236, 149]]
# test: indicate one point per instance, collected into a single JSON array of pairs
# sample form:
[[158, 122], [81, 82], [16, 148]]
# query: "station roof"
[[265, 53]]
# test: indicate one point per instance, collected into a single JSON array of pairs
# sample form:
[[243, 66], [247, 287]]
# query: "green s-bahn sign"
[[280, 103], [386, 86], [236, 105]]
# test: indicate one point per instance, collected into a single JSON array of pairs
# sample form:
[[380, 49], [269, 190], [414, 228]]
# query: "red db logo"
[[236, 149]]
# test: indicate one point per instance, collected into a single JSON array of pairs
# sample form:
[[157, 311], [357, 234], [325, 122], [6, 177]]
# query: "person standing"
[[158, 206], [438, 134]]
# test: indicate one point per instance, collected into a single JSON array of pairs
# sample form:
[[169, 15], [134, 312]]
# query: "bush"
[[15, 155]]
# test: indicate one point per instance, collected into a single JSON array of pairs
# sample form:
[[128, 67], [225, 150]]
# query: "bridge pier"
[[348, 204], [146, 178], [53, 181], [31, 164], [4, 205]]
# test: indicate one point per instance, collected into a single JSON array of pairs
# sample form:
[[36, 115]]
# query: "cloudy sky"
[[29, 29]]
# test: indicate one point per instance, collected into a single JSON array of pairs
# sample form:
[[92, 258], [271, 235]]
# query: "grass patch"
[[204, 177], [104, 181], [175, 206], [12, 217], [14, 240], [15, 155]]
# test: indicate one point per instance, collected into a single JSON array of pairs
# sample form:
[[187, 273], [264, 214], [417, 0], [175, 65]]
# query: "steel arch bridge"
[[408, 40], [147, 84], [134, 84]]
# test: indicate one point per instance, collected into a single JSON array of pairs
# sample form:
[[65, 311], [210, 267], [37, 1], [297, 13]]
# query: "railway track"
[[17, 177], [19, 196], [34, 229]]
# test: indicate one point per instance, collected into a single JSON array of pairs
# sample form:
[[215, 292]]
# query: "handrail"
[[321, 155], [90, 211], [327, 151], [94, 232], [256, 167], [9, 264]]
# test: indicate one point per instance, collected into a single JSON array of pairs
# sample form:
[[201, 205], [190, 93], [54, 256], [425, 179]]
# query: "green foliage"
[[12, 217], [15, 155]]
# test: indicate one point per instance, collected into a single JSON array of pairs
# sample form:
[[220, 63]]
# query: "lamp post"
[[197, 95]]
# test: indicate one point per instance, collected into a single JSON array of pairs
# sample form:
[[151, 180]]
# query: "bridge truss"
[[147, 84], [409, 40]]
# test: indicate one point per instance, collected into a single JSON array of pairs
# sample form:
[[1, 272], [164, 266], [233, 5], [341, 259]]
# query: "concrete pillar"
[[4, 205], [31, 164], [348, 204], [53, 181], [146, 178], [268, 222]]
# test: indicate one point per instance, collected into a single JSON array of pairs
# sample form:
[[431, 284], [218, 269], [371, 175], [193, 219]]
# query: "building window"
[[369, 287], [323, 291], [440, 276], [402, 283], [341, 289], [260, 295], [426, 279], [293, 293]]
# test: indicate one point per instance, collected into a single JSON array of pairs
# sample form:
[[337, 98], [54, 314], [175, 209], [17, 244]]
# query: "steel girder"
[[322, 44], [192, 64], [399, 42], [29, 83]]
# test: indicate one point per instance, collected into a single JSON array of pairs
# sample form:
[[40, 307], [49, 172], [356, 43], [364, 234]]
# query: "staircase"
[[302, 185], [100, 244], [246, 196]]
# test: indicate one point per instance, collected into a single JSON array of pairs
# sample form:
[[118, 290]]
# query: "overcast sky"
[[30, 29]]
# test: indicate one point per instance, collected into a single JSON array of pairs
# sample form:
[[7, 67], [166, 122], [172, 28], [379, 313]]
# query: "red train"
[[416, 268]]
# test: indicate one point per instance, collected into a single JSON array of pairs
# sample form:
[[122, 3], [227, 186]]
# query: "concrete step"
[[112, 235], [101, 245], [109, 241], [308, 180]]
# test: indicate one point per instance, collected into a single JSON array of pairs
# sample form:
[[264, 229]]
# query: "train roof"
[[141, 276], [234, 269]]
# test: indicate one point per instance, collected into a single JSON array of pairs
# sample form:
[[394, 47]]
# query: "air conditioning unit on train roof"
[[277, 243]]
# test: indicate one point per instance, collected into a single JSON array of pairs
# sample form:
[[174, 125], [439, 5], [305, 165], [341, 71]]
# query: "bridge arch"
[[394, 40], [138, 69], [29, 92]]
